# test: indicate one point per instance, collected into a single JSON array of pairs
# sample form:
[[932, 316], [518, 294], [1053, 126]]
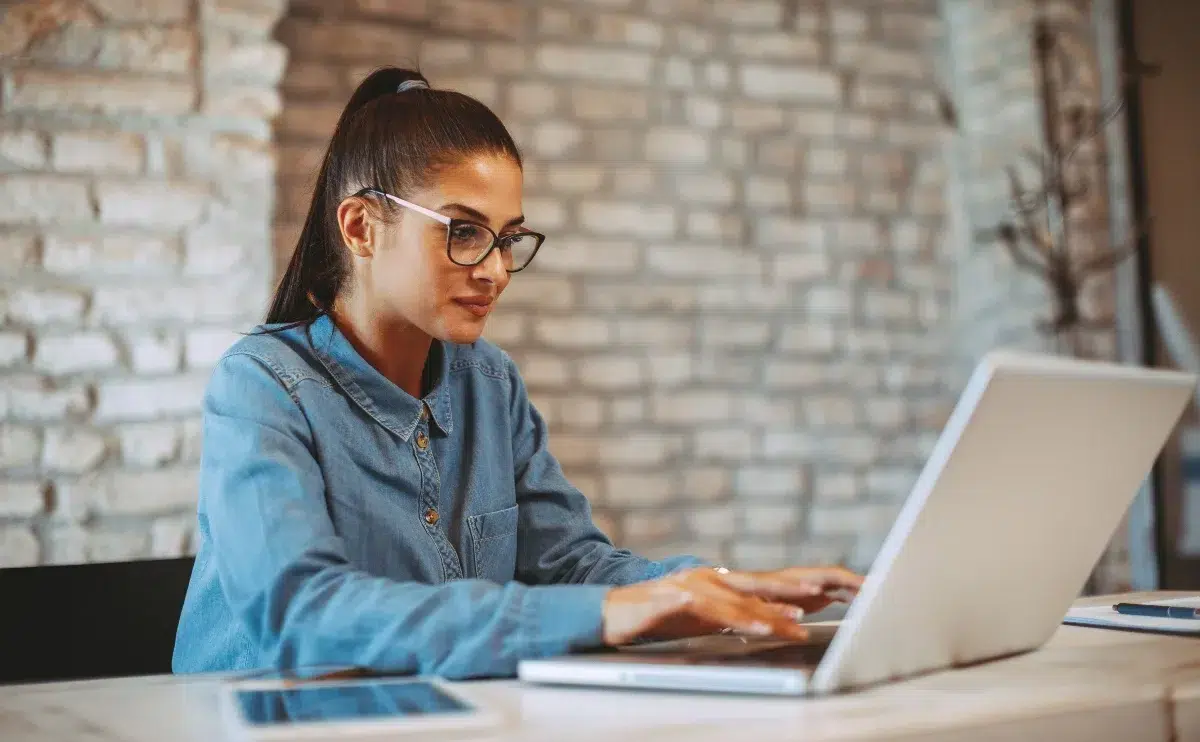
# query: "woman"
[[375, 486]]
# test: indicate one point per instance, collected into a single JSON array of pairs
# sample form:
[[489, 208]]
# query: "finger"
[[792, 585], [716, 603]]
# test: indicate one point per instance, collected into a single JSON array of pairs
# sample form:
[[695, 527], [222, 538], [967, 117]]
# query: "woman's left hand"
[[809, 588]]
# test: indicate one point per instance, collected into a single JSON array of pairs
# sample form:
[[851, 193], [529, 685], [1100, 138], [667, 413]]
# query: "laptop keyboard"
[[788, 655]]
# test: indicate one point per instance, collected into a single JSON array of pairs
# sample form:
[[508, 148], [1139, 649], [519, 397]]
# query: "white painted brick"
[[627, 411], [125, 254], [803, 266], [706, 484], [669, 368], [612, 372], [21, 499], [692, 407], [631, 179], [829, 301], [679, 73], [503, 58], [627, 29], [888, 306], [779, 83], [849, 22], [830, 410], [750, 13], [638, 490], [706, 225], [544, 370], [677, 145], [610, 65], [707, 188], [579, 412], [784, 374], [155, 352], [35, 398], [713, 521], [790, 446], [506, 328], [46, 306], [572, 332], [633, 449], [649, 529], [213, 249], [835, 485], [532, 100], [151, 204], [636, 219], [724, 444], [149, 445], [22, 150], [171, 537], [768, 481], [18, 546], [810, 337], [654, 332], [695, 40], [147, 399], [800, 233], [19, 446], [726, 332], [850, 519], [73, 450], [572, 177], [770, 520], [704, 111], [98, 152], [18, 251], [759, 554], [767, 410], [767, 192], [609, 105], [556, 138], [779, 46], [890, 483], [687, 261], [191, 437], [134, 492], [203, 347], [531, 289], [14, 348], [717, 75], [68, 354]]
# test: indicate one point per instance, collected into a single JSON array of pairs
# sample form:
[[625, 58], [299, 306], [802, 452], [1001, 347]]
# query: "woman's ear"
[[357, 226]]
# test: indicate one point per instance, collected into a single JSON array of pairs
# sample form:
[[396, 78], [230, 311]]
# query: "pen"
[[1156, 611]]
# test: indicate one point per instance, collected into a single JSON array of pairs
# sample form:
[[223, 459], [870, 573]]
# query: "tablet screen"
[[347, 702]]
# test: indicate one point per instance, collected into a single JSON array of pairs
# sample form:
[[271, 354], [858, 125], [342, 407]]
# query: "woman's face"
[[411, 276]]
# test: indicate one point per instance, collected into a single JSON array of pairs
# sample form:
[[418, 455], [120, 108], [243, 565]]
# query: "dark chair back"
[[77, 621]]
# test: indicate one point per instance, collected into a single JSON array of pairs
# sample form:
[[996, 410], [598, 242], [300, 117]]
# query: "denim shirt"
[[344, 522]]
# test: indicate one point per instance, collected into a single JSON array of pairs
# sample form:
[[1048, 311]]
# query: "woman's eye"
[[464, 232]]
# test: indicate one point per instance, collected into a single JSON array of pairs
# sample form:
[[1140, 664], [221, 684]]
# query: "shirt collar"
[[390, 406]]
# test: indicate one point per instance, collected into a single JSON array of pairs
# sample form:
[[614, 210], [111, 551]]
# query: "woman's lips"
[[476, 306]]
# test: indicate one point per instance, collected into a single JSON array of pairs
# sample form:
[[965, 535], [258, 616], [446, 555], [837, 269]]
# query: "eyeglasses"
[[469, 243]]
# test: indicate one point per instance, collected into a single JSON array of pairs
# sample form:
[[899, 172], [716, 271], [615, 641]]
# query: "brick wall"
[[734, 328], [741, 330], [136, 171]]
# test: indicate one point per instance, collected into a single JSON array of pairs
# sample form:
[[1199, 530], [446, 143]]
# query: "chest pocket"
[[494, 544]]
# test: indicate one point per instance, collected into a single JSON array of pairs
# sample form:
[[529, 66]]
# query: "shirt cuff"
[[563, 618]]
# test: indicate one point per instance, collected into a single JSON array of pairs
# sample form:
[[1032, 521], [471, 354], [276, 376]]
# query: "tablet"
[[360, 708]]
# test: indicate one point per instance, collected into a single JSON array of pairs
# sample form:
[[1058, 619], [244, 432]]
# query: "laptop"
[[1037, 464]]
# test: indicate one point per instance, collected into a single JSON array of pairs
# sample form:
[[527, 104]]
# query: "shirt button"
[[424, 412], [422, 441], [431, 516]]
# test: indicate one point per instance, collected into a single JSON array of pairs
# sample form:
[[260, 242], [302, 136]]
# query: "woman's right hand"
[[703, 601]]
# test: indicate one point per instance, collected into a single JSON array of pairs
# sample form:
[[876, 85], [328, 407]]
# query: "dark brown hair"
[[388, 139]]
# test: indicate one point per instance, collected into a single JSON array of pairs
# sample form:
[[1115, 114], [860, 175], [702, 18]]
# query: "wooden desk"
[[1086, 684]]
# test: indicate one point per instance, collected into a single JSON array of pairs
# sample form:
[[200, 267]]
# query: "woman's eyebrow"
[[479, 215]]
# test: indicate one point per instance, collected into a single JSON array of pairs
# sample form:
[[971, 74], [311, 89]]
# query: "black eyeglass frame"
[[451, 222]]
